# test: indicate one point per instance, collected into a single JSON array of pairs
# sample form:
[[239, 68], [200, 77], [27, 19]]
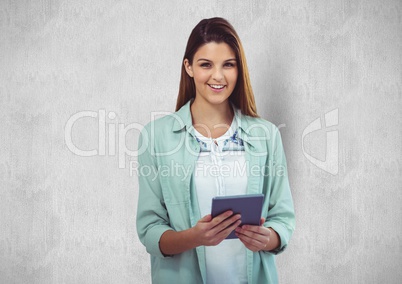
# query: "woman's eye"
[[230, 65], [205, 65]]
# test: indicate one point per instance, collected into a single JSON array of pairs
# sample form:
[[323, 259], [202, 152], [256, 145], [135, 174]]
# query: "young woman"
[[214, 144]]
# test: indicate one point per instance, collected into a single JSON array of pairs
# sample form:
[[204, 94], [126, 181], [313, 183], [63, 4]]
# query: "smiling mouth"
[[217, 87]]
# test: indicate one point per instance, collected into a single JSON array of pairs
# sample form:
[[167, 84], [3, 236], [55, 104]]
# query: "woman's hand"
[[211, 231], [257, 238], [207, 232]]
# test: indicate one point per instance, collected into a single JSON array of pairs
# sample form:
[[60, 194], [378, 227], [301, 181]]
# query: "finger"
[[206, 218], [250, 237], [227, 230], [228, 223], [256, 238], [218, 219], [249, 244], [262, 221], [250, 230]]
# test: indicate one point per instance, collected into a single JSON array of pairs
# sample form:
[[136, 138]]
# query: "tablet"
[[249, 206]]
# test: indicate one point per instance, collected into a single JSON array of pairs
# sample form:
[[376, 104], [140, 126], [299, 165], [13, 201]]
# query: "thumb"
[[206, 218], [262, 221]]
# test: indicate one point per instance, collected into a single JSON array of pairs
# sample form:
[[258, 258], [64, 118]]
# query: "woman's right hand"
[[211, 231]]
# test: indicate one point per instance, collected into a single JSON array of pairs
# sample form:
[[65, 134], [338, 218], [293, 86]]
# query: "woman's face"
[[214, 70]]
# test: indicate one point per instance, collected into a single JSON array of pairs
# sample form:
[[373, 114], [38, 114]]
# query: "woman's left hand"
[[257, 238]]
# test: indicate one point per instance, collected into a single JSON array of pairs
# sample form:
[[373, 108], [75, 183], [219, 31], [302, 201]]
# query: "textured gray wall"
[[66, 218]]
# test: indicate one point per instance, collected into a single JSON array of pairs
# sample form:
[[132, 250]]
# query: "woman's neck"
[[211, 120]]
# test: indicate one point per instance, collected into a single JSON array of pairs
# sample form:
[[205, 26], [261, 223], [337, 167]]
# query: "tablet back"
[[249, 206]]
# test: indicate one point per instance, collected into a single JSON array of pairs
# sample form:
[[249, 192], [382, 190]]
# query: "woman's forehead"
[[217, 51]]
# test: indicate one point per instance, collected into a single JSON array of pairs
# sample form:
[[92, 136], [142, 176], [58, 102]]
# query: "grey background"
[[71, 219]]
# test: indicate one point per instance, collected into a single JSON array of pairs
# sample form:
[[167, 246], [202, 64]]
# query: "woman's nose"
[[218, 74]]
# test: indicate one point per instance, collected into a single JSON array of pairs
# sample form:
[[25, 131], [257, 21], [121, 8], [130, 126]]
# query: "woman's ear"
[[188, 67]]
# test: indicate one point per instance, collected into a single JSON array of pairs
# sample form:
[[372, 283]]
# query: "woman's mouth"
[[216, 87]]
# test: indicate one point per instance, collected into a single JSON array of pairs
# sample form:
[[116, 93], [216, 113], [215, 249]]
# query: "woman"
[[214, 144]]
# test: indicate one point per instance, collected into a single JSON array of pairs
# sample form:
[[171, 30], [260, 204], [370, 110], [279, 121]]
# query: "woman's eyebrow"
[[204, 59]]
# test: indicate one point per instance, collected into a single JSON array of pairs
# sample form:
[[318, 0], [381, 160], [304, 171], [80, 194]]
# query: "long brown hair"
[[218, 30]]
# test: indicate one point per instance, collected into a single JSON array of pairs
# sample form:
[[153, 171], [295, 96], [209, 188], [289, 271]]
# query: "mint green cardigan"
[[167, 153]]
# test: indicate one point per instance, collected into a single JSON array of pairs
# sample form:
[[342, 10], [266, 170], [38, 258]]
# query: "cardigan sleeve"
[[280, 216], [152, 218]]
